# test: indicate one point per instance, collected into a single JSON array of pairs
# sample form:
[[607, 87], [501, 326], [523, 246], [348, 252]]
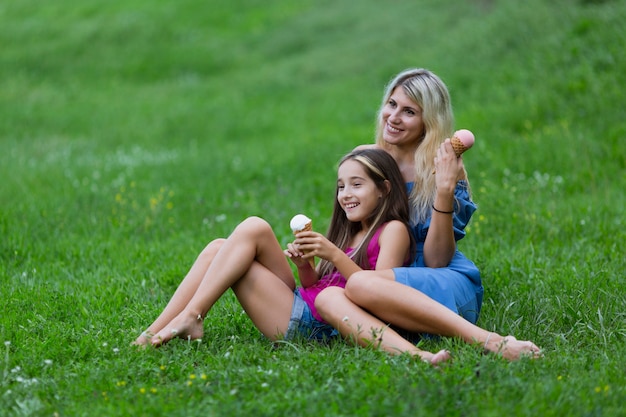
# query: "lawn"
[[133, 132]]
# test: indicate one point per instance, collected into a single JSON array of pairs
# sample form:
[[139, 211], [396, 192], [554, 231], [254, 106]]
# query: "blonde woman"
[[414, 123]]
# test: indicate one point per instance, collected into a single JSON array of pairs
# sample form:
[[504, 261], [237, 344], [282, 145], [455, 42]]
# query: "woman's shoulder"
[[367, 146]]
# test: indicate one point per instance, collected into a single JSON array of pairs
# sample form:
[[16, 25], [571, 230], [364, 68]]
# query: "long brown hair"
[[381, 168]]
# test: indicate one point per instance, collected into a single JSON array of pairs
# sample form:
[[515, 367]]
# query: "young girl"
[[368, 229]]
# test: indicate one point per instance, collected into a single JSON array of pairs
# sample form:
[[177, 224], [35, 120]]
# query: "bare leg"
[[266, 300], [253, 241], [358, 325], [392, 302], [185, 291]]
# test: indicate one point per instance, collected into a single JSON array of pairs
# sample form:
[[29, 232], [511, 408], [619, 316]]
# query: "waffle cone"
[[307, 228], [458, 146]]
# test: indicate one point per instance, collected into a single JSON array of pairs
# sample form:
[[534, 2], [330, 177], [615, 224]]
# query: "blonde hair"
[[431, 95]]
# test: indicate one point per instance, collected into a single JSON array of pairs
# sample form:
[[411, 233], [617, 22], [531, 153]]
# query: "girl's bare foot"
[[436, 358], [144, 339], [512, 349], [184, 326], [440, 357]]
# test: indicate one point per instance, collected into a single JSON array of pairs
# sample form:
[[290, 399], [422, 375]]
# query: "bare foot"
[[144, 339], [436, 358], [512, 349], [184, 326], [440, 357]]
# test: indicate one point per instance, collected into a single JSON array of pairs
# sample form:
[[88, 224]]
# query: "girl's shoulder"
[[392, 230]]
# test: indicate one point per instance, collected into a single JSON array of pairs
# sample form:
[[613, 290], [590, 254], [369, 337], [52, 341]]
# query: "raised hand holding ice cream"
[[301, 223], [461, 141]]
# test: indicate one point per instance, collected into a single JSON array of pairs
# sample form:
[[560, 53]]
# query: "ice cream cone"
[[301, 223], [461, 141], [458, 146]]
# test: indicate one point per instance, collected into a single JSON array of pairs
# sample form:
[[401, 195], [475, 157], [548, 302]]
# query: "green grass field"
[[134, 132]]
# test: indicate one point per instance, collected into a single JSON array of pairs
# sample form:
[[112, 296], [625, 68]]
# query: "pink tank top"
[[335, 278]]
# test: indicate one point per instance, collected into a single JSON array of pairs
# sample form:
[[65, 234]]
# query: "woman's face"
[[357, 193], [402, 119]]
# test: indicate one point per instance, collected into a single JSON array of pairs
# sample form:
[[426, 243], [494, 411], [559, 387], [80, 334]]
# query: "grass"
[[133, 133]]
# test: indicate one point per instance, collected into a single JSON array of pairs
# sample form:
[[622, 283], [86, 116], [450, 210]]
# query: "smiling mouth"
[[392, 129], [351, 205]]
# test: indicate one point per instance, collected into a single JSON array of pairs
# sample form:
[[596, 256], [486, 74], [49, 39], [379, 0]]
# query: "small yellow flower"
[[142, 390], [189, 383], [203, 376], [153, 390], [192, 376], [121, 383], [162, 367]]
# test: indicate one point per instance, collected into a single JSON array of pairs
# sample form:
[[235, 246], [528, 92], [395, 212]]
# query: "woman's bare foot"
[[512, 349], [184, 326]]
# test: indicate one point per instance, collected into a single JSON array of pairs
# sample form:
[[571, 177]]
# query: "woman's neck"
[[405, 158]]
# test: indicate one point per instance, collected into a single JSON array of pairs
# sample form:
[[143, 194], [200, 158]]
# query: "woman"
[[414, 122]]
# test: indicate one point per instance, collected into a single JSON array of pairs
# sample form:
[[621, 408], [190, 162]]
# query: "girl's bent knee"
[[326, 299], [358, 281], [254, 225], [361, 286], [211, 249]]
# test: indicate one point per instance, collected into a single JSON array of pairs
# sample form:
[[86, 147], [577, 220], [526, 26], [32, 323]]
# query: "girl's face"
[[402, 119], [357, 193]]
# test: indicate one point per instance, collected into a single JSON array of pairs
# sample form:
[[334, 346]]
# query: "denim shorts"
[[304, 325]]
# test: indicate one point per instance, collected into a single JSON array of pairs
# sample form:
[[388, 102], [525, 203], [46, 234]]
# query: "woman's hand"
[[440, 246], [449, 168]]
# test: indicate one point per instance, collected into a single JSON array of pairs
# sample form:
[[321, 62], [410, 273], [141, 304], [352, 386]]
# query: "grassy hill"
[[134, 132]]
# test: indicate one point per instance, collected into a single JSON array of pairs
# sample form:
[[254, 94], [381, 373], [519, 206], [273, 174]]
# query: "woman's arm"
[[440, 245]]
